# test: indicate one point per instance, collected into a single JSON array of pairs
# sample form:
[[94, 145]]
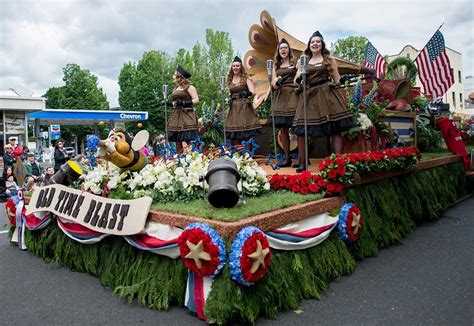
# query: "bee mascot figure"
[[121, 150]]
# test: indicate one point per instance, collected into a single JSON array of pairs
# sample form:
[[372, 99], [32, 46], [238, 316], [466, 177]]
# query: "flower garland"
[[250, 256], [340, 169], [350, 223], [202, 250]]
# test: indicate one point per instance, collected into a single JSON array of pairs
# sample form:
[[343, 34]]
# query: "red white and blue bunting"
[[157, 238], [303, 234], [78, 232]]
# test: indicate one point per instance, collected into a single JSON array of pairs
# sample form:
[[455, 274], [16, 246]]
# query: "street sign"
[[55, 131]]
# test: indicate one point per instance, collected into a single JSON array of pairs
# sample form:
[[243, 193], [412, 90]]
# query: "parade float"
[[221, 233]]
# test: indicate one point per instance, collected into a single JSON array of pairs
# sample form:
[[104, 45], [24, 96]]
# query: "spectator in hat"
[[182, 125], [8, 159], [17, 149], [34, 172]]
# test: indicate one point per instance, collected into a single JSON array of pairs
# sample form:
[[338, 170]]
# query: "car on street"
[[70, 151]]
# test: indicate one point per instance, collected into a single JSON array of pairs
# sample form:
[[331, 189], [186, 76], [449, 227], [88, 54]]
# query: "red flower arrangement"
[[303, 183], [195, 236], [249, 247], [340, 169]]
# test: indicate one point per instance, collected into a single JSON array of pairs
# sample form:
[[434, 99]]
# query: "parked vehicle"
[[70, 151]]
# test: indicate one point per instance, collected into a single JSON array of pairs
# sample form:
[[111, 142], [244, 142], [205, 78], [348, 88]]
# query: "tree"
[[141, 83], [351, 48], [80, 92], [54, 97]]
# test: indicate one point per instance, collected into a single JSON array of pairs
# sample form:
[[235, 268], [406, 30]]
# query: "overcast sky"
[[38, 38]]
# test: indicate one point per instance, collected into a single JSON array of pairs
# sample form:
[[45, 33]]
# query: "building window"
[[408, 55], [454, 99], [460, 98], [459, 76]]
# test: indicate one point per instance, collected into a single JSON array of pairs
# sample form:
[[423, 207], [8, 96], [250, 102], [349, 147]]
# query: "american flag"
[[374, 60], [434, 68]]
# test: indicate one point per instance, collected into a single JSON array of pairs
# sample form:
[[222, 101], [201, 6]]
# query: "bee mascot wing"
[[140, 140]]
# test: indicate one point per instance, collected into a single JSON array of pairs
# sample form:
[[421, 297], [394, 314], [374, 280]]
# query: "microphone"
[[165, 91], [304, 64], [222, 82], [270, 68]]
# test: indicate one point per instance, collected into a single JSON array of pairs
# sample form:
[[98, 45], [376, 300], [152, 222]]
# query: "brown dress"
[[182, 125], [242, 121], [326, 111], [285, 99]]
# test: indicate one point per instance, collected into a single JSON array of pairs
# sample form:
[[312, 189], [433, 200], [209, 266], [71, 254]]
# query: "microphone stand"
[[304, 71], [270, 73], [222, 83], [165, 97]]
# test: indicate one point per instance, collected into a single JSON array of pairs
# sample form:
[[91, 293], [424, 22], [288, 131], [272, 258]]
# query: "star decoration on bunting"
[[197, 253], [356, 226], [258, 257]]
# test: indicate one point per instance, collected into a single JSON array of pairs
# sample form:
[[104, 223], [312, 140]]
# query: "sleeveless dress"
[[326, 111], [242, 121], [182, 125], [285, 99]]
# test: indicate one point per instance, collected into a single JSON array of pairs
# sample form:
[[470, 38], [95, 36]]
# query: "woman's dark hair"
[[279, 59], [57, 142], [324, 51]]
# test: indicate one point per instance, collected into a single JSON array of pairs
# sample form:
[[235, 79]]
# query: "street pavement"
[[426, 280]]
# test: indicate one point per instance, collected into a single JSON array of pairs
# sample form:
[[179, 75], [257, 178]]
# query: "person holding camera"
[[286, 99], [182, 124], [242, 121], [327, 114]]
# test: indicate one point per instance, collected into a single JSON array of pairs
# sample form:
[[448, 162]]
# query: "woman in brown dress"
[[326, 112], [285, 100], [182, 125], [242, 121]]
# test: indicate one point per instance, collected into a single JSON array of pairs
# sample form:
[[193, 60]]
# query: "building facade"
[[13, 119], [455, 94]]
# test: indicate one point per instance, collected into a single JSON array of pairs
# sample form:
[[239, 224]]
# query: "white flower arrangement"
[[364, 121], [174, 179]]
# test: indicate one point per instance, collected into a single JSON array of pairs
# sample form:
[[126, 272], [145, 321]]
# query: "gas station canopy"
[[85, 117]]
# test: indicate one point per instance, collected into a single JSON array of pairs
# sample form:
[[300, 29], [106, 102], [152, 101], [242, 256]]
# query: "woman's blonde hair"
[[243, 75], [181, 81]]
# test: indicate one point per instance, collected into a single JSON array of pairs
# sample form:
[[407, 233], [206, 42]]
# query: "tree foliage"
[[141, 83], [351, 48], [80, 92]]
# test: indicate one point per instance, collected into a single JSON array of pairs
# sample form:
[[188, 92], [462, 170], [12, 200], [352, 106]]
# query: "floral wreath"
[[202, 250], [250, 256], [350, 223]]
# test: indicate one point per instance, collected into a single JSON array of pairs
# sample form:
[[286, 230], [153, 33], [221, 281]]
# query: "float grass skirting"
[[156, 281], [390, 209], [293, 276]]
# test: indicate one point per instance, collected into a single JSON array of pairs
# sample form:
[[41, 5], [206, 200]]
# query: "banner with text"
[[112, 216]]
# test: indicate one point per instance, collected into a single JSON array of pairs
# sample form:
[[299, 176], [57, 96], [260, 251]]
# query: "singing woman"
[[182, 125], [286, 99], [242, 121], [326, 112]]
